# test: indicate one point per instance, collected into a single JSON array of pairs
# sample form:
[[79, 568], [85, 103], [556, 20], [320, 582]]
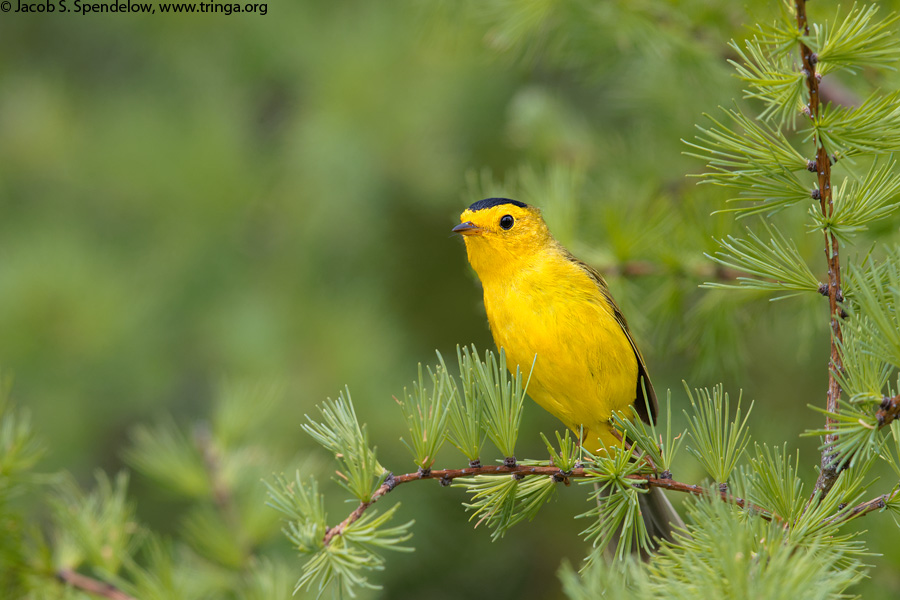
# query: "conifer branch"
[[91, 586], [864, 508], [829, 469], [446, 476]]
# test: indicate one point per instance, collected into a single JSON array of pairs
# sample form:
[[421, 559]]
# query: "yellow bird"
[[542, 301]]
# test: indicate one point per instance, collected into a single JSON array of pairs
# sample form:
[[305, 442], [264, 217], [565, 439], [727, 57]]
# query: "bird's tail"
[[659, 515]]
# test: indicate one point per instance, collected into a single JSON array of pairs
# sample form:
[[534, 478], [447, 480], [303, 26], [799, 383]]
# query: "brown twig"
[[221, 490], [861, 510], [644, 268], [213, 464], [829, 470], [889, 411], [445, 476], [91, 585]]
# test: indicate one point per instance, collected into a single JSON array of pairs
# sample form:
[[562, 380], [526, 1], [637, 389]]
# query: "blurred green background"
[[191, 199]]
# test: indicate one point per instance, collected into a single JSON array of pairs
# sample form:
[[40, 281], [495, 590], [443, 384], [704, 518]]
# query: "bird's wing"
[[646, 410]]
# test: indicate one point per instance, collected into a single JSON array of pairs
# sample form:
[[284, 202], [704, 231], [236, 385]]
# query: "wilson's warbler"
[[543, 302]]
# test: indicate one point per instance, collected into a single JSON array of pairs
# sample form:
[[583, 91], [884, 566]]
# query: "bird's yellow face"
[[501, 234]]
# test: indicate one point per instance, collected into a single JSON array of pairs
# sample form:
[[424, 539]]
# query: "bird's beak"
[[467, 228]]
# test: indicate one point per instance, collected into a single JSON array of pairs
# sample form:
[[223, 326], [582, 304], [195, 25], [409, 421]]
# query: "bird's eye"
[[506, 221]]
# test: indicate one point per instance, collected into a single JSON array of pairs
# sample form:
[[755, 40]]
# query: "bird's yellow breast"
[[586, 367]]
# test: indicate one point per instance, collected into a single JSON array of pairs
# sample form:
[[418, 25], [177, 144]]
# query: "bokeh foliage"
[[268, 198]]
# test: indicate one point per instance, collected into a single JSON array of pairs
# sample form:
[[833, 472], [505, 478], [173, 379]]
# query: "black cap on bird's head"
[[509, 219], [492, 202], [474, 217]]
